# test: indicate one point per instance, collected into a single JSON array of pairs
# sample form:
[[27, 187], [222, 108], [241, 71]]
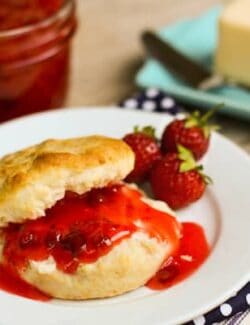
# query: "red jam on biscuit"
[[82, 228]]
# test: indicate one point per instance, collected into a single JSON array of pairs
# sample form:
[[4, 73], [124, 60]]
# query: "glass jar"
[[34, 63]]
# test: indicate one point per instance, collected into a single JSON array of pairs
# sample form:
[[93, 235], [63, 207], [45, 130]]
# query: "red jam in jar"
[[34, 55]]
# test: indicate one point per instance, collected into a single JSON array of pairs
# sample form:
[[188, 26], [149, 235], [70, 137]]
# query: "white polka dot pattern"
[[200, 320], [167, 102], [130, 103], [152, 92], [149, 105], [226, 309]]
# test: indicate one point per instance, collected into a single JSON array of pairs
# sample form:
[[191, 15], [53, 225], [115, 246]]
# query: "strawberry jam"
[[35, 54], [82, 228], [14, 14], [192, 252]]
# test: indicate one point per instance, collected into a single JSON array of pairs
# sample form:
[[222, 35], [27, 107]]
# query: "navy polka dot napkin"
[[235, 309], [153, 100]]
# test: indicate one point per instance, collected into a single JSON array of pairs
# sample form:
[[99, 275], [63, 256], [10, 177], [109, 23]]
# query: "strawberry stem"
[[204, 119], [207, 180], [148, 130], [197, 120]]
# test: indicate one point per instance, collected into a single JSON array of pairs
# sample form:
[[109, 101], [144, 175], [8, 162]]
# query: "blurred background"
[[107, 54], [107, 48], [107, 51]]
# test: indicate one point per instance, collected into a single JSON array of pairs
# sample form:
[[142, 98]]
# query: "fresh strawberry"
[[147, 152], [192, 132], [177, 180]]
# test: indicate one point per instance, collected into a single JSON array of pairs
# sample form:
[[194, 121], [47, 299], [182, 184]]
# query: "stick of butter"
[[232, 59]]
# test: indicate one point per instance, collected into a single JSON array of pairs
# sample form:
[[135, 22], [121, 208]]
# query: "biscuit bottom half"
[[126, 267]]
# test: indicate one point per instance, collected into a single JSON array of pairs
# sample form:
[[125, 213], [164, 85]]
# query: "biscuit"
[[33, 179]]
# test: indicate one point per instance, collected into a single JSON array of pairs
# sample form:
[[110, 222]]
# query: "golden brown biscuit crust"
[[33, 179]]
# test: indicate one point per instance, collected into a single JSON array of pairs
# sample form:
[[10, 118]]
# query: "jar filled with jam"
[[35, 44]]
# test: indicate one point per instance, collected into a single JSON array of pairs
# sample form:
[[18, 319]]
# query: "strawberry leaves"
[[188, 163], [197, 120], [147, 130], [187, 158]]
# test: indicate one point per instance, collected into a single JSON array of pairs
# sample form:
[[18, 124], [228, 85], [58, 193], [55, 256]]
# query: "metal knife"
[[192, 72]]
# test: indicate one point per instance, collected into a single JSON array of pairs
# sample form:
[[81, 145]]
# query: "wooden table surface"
[[107, 51]]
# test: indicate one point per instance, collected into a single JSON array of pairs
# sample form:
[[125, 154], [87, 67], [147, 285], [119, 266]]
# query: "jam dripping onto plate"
[[12, 283], [191, 254]]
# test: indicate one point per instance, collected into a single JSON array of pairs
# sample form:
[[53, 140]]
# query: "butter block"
[[232, 59]]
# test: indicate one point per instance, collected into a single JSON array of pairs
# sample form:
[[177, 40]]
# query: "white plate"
[[223, 211]]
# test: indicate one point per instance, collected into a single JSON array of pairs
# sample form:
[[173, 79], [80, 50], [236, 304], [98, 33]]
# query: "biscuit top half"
[[34, 179]]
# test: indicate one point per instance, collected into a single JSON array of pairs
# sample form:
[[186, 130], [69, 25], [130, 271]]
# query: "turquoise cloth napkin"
[[196, 38]]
